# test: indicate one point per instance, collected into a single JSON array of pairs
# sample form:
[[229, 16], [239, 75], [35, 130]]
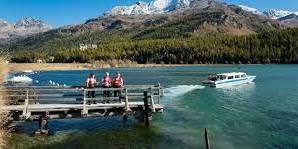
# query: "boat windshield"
[[217, 77], [222, 77]]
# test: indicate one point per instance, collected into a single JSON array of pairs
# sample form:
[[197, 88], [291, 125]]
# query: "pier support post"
[[146, 109], [126, 101], [159, 93], [207, 139], [43, 125], [26, 114], [124, 119], [85, 111], [152, 99]]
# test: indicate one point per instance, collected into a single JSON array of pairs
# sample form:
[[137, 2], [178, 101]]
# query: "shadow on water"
[[94, 133]]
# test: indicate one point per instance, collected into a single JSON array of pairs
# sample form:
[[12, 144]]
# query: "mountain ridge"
[[22, 28], [214, 19], [158, 7]]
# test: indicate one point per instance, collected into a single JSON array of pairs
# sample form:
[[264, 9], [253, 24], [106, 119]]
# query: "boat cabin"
[[227, 76]]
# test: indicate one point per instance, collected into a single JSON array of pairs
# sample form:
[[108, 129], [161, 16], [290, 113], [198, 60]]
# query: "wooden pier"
[[48, 102]]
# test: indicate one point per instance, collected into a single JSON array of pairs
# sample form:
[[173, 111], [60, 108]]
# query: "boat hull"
[[227, 83]]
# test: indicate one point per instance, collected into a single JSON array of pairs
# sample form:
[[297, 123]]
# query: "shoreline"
[[17, 67]]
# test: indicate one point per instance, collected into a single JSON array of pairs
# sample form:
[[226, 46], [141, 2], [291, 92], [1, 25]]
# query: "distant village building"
[[84, 47], [39, 61], [51, 59]]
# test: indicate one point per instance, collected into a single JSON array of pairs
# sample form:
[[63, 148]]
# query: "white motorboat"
[[228, 79], [20, 79]]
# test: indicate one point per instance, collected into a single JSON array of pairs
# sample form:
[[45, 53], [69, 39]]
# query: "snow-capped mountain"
[[276, 14], [157, 7], [136, 9], [165, 6], [286, 17], [3, 23], [271, 13], [30, 23], [290, 20], [22, 28], [161, 6]]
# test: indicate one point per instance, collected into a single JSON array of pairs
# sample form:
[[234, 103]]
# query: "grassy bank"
[[45, 66]]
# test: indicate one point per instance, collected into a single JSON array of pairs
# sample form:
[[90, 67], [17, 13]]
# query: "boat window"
[[243, 76], [222, 77], [230, 77], [237, 76]]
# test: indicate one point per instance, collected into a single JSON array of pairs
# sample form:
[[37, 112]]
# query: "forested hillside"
[[219, 33], [279, 46]]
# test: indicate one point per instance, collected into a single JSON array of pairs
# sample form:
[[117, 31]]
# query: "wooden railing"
[[32, 95]]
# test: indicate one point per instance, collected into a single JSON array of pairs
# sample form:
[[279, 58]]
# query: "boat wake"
[[180, 90]]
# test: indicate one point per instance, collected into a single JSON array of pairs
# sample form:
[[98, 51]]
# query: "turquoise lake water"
[[260, 115]]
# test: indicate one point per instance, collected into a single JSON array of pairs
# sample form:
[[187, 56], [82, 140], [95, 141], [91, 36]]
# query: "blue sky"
[[291, 5], [65, 12]]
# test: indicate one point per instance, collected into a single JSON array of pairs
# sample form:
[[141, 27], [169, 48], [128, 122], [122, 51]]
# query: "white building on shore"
[[84, 47]]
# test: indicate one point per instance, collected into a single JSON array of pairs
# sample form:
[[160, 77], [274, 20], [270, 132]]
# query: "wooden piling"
[[152, 99], [43, 125], [207, 139], [85, 111], [146, 109], [25, 110], [126, 101], [159, 91]]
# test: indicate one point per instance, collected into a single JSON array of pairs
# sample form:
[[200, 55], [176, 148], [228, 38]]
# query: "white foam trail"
[[181, 90]]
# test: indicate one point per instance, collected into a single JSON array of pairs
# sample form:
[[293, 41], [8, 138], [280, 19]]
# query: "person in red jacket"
[[106, 83], [117, 83], [90, 84]]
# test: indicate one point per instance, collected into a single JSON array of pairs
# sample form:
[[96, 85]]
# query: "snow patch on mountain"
[[30, 23], [136, 9], [157, 7], [161, 6], [141, 8], [271, 13], [250, 9], [276, 14], [22, 28]]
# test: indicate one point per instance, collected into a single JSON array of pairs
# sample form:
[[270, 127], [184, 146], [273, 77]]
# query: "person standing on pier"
[[106, 83], [117, 83], [90, 84]]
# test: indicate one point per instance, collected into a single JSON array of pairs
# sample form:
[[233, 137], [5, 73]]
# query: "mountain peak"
[[157, 7], [160, 6], [4, 23], [22, 28], [29, 22], [276, 14]]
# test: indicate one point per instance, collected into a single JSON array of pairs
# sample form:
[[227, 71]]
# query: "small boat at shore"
[[27, 71], [20, 79], [228, 79]]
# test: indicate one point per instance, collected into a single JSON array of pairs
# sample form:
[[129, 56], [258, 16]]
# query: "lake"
[[259, 115]]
